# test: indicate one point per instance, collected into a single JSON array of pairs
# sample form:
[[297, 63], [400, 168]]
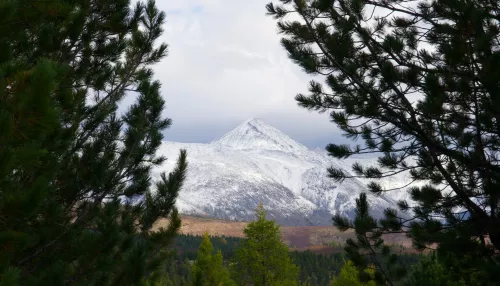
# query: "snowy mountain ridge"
[[255, 134], [256, 162]]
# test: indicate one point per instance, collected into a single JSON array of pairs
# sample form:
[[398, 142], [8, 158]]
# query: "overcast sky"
[[225, 65]]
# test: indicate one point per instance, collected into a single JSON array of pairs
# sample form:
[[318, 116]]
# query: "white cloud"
[[225, 65]]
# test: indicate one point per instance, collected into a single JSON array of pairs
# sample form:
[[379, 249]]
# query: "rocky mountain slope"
[[255, 163]]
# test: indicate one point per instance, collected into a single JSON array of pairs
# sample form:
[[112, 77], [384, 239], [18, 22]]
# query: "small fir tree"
[[263, 259], [348, 276], [208, 269]]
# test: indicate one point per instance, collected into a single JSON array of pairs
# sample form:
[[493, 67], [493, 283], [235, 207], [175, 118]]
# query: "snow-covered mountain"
[[254, 163]]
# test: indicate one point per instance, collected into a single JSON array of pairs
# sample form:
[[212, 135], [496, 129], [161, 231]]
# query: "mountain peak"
[[253, 120], [256, 134]]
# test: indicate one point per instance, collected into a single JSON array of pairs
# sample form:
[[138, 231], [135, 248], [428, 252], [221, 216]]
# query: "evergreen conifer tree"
[[418, 83], [208, 268], [263, 259], [77, 201]]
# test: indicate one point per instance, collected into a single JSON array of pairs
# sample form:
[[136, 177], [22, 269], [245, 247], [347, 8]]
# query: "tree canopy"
[[77, 201], [208, 269], [430, 272], [417, 83], [263, 259], [349, 276]]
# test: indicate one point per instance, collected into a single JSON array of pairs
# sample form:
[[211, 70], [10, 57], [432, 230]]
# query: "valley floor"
[[324, 239]]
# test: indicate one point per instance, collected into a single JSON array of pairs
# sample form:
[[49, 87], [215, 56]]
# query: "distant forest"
[[316, 269]]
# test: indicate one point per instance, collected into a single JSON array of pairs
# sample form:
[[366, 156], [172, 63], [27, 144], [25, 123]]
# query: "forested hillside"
[[315, 268]]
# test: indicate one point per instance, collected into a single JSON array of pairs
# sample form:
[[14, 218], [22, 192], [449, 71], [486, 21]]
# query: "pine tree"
[[208, 268], [263, 259], [77, 201], [418, 82]]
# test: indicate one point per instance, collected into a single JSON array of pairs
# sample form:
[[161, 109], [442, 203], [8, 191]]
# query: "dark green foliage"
[[263, 259], [174, 272], [316, 269], [76, 198], [187, 245], [430, 273], [349, 276], [369, 240], [185, 251], [418, 82], [208, 269]]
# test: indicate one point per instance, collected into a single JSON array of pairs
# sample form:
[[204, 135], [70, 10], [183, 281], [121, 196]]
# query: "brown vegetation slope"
[[315, 238]]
